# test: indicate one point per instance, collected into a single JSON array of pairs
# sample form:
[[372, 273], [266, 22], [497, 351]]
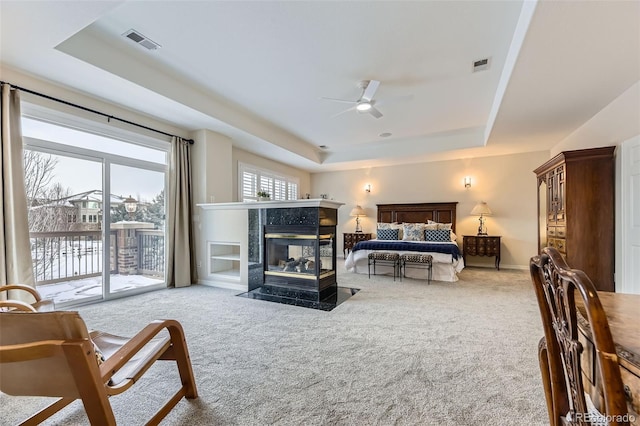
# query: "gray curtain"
[[181, 265], [16, 266]]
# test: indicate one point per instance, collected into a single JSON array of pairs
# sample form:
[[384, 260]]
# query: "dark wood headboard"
[[418, 212]]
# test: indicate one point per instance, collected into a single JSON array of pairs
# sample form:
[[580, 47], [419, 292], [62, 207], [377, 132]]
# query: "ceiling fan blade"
[[342, 112], [370, 90], [376, 113], [346, 101]]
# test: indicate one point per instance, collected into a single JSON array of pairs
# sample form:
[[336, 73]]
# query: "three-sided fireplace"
[[300, 260]]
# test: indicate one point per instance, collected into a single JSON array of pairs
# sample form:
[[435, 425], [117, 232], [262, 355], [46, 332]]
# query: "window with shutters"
[[253, 180]]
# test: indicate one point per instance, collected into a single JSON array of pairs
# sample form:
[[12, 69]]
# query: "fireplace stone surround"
[[300, 268]]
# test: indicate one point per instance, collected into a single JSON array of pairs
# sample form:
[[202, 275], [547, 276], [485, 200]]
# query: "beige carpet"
[[402, 353]]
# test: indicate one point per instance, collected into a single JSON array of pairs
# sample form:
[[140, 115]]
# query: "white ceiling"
[[256, 71]]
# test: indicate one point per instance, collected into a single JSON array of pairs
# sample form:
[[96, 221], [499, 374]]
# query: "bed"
[[447, 258]]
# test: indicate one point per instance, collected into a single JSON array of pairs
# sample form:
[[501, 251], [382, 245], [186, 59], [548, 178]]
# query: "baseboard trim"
[[516, 267], [223, 284]]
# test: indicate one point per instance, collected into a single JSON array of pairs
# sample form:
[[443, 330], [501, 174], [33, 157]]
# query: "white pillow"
[[413, 231]]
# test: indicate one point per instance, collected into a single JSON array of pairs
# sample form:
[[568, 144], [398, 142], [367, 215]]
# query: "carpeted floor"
[[403, 353]]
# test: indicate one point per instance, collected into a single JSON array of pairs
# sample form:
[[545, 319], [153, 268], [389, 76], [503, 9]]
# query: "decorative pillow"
[[413, 231], [443, 235], [383, 225], [444, 225], [387, 234], [394, 225], [431, 225]]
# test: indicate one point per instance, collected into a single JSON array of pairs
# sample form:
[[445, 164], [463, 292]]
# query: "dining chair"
[[560, 350], [39, 304], [52, 354]]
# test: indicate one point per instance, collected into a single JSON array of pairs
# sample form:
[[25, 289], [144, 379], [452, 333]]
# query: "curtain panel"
[[181, 265], [16, 266]]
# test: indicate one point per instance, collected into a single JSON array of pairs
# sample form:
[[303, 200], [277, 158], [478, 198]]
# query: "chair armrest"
[[23, 287], [16, 304], [119, 358]]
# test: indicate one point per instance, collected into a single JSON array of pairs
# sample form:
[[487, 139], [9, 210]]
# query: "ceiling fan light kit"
[[365, 104]]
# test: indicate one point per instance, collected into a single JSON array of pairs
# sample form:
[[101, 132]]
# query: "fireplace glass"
[[299, 256]]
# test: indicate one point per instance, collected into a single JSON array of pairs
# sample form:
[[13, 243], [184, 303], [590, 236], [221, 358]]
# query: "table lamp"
[[357, 212], [481, 209]]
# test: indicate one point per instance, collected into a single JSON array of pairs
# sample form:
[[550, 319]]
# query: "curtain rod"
[[109, 117]]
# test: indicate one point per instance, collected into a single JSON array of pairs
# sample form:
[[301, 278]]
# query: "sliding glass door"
[[137, 225], [96, 213]]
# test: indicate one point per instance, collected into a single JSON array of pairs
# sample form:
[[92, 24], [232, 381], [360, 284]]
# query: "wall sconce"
[[467, 181], [367, 187]]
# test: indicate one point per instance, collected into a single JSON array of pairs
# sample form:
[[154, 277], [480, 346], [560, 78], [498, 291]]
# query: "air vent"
[[481, 64], [143, 41]]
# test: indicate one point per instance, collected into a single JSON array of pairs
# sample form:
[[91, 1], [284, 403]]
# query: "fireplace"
[[300, 261]]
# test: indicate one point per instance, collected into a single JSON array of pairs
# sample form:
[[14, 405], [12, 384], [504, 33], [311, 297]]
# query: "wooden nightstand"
[[350, 240], [481, 245]]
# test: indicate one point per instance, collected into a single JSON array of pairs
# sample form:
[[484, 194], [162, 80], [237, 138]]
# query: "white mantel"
[[315, 202]]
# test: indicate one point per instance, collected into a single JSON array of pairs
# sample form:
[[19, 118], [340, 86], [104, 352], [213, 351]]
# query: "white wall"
[[616, 123], [507, 183], [15, 77], [211, 167]]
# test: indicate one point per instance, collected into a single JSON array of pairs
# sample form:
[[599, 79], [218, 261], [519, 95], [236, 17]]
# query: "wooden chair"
[[560, 349], [39, 305], [51, 354]]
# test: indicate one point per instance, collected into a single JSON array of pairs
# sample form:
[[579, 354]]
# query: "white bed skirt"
[[445, 268]]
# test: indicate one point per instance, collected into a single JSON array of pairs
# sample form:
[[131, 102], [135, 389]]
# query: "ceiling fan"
[[365, 104]]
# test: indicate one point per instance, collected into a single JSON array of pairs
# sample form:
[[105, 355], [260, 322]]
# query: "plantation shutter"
[[252, 179]]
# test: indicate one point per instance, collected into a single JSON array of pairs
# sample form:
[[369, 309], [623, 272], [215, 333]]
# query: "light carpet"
[[396, 353]]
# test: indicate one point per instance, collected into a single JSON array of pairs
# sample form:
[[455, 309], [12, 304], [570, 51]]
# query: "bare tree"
[[48, 210], [38, 174]]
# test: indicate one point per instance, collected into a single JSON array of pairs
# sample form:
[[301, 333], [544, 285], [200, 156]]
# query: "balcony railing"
[[74, 255], [151, 252]]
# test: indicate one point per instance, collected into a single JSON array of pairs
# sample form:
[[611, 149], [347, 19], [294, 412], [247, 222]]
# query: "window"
[[253, 179], [83, 175]]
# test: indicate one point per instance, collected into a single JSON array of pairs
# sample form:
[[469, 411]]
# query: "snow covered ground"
[[90, 287]]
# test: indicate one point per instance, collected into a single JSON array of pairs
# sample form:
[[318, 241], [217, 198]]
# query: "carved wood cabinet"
[[481, 245], [351, 239], [576, 211]]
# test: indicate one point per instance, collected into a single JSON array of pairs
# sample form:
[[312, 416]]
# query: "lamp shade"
[[358, 211], [481, 209]]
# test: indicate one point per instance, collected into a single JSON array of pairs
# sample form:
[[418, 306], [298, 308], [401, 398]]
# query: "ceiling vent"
[[143, 41], [481, 64]]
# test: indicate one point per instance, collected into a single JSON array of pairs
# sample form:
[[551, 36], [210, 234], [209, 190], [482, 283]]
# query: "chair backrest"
[[555, 286], [45, 354]]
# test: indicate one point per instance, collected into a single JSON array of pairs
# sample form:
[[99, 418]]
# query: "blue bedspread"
[[451, 249]]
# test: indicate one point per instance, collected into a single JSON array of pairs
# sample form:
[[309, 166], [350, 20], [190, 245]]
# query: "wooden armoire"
[[576, 205]]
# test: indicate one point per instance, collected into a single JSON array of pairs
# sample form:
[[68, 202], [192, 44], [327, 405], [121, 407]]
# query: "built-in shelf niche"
[[224, 260]]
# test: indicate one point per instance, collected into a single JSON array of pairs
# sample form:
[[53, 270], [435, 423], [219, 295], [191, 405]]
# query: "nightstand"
[[350, 240], [481, 245]]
